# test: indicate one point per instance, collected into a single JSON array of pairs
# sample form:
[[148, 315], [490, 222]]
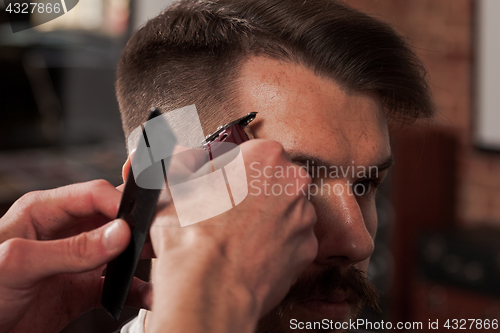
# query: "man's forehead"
[[313, 115]]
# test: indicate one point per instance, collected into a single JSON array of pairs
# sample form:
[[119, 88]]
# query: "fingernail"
[[113, 236]]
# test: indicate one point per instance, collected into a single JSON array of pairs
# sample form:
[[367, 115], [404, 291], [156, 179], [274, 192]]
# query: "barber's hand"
[[53, 248], [223, 274]]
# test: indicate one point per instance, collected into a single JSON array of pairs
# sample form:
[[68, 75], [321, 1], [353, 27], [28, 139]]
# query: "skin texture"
[[311, 117], [314, 116], [214, 279], [216, 276], [54, 245]]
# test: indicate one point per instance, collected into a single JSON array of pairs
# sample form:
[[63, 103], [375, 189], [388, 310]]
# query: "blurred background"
[[438, 245]]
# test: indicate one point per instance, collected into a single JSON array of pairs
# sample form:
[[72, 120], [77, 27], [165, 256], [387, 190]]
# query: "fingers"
[[148, 251], [27, 261], [140, 294], [60, 209], [126, 166], [121, 187], [192, 158], [184, 163]]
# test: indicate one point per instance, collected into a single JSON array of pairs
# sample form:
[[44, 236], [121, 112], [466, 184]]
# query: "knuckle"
[[29, 198], [274, 146], [268, 150], [11, 252], [78, 247], [275, 149], [99, 183]]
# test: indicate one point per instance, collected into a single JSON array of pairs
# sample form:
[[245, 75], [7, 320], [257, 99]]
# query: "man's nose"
[[343, 237]]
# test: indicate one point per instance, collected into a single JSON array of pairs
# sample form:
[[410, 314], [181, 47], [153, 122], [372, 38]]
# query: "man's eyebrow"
[[386, 164], [311, 160]]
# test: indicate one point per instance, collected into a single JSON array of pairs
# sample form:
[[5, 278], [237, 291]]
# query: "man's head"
[[325, 80], [193, 52]]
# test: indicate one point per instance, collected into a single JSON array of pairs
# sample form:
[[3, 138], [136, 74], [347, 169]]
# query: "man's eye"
[[366, 186]]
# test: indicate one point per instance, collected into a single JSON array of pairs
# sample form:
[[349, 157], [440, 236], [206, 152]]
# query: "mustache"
[[329, 281]]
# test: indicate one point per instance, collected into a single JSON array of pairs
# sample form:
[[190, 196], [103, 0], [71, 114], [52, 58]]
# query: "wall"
[[146, 9], [442, 34]]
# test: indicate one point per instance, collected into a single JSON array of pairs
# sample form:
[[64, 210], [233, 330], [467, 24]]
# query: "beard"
[[323, 285]]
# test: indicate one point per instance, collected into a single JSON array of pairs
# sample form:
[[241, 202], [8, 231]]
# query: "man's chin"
[[318, 310], [297, 316]]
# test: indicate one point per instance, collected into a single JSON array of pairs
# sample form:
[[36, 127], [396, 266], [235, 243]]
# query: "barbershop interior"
[[437, 250]]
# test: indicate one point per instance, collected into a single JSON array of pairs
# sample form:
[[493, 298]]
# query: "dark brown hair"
[[191, 54]]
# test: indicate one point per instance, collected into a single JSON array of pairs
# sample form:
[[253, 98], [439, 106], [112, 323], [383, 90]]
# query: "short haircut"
[[191, 54]]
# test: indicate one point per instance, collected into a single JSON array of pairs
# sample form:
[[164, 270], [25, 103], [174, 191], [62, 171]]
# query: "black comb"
[[137, 208]]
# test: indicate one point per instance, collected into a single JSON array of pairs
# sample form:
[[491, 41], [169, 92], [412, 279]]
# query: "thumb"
[[80, 253]]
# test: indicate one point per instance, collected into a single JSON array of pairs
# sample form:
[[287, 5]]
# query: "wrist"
[[197, 291]]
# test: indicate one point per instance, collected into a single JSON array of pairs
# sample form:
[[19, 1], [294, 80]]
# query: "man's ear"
[[126, 166]]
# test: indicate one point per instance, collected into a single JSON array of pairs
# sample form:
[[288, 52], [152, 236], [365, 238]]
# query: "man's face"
[[319, 124]]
